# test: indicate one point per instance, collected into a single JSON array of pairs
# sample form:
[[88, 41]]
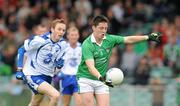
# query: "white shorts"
[[95, 86]]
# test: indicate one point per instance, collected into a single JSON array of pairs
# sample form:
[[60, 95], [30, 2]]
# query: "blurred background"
[[152, 71]]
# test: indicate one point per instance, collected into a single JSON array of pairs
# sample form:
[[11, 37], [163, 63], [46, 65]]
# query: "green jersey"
[[100, 54]]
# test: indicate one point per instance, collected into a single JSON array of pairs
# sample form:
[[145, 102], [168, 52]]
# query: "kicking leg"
[[46, 88]]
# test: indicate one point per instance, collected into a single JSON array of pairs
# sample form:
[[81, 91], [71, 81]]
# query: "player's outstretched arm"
[[137, 38], [20, 58]]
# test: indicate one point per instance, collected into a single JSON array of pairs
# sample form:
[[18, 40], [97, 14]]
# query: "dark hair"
[[98, 19]]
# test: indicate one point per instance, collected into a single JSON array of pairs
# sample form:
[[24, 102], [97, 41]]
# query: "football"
[[115, 75]]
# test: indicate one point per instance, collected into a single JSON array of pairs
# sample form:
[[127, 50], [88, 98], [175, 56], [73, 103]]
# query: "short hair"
[[73, 28], [100, 18], [56, 21]]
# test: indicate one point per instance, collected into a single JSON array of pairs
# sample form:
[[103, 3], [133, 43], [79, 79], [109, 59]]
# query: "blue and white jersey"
[[26, 65], [43, 53], [72, 59]]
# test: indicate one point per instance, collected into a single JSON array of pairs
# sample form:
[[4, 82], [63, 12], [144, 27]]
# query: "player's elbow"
[[129, 42]]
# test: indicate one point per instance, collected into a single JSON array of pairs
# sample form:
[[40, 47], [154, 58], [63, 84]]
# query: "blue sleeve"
[[20, 56]]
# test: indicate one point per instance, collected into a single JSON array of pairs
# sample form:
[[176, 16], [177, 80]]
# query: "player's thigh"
[[66, 100], [46, 88], [87, 98], [77, 96], [78, 99], [87, 90], [36, 99], [102, 99]]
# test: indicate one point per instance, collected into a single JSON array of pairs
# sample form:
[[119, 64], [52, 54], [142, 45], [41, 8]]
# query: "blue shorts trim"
[[34, 81]]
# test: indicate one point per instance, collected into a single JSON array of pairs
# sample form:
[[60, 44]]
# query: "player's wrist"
[[146, 37], [19, 74], [100, 78]]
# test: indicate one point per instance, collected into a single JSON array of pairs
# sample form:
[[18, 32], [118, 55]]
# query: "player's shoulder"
[[46, 35], [62, 43], [43, 36], [34, 39], [87, 41], [39, 39], [87, 44], [109, 36]]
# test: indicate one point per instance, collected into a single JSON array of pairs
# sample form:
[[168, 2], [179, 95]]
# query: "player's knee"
[[79, 103], [88, 102], [55, 97]]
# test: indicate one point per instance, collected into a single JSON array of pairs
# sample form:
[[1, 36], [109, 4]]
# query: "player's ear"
[[93, 27]]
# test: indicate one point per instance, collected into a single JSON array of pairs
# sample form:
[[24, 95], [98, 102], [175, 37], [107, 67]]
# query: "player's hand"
[[19, 74], [154, 37], [59, 63], [103, 79]]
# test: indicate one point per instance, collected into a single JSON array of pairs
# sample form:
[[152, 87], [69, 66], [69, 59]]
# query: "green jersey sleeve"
[[116, 39]]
